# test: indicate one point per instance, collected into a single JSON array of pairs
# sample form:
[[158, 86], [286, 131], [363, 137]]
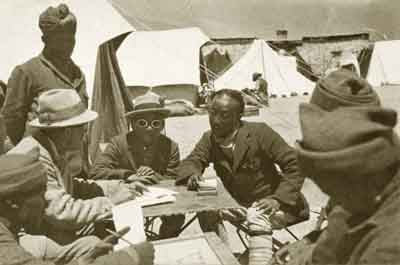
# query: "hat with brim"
[[150, 102], [61, 108], [83, 118]]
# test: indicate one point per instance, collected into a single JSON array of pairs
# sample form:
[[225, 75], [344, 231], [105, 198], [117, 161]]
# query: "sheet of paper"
[[156, 196], [129, 214], [159, 192]]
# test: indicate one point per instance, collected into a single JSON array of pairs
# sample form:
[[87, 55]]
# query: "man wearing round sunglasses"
[[143, 154]]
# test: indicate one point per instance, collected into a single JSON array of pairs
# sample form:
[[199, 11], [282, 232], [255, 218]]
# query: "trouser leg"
[[171, 225]]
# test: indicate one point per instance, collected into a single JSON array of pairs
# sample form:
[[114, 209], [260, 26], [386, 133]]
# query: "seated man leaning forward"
[[244, 155], [144, 154], [73, 205], [22, 186]]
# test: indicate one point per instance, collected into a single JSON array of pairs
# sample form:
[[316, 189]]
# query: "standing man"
[[245, 155], [53, 68], [261, 88], [143, 154]]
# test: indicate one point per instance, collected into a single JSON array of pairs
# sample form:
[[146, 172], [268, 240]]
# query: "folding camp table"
[[187, 202]]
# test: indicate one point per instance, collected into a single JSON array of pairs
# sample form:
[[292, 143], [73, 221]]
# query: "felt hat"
[[61, 108], [150, 102], [21, 174], [57, 20], [343, 88], [347, 143]]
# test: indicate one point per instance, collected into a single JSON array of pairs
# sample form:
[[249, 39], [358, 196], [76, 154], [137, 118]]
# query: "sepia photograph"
[[199, 132]]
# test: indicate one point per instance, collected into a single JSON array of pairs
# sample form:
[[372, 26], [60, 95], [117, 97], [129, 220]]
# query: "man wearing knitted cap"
[[52, 68], [340, 89], [351, 152], [22, 187]]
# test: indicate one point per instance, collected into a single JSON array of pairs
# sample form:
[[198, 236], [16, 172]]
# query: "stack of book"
[[207, 187]]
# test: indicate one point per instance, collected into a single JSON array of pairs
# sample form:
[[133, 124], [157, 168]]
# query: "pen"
[[119, 236]]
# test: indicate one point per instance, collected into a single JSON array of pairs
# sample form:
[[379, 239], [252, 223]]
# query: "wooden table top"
[[190, 202]]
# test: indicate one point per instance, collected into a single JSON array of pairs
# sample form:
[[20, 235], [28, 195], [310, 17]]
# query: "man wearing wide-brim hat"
[[23, 181], [72, 202], [144, 153]]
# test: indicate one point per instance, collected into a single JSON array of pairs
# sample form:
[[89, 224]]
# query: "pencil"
[[119, 236]]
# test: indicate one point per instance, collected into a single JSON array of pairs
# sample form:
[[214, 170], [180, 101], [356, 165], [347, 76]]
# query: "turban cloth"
[[57, 20]]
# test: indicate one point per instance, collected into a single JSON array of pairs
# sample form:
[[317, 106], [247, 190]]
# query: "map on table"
[[191, 251]]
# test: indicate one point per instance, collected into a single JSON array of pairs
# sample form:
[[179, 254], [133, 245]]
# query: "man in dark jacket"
[[245, 155], [353, 154], [22, 186], [53, 68], [143, 154]]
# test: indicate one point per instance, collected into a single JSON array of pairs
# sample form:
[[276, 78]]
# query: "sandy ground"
[[282, 116]]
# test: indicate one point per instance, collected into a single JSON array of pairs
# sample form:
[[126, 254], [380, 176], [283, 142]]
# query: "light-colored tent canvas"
[[278, 70], [384, 67], [156, 58], [98, 21], [261, 18]]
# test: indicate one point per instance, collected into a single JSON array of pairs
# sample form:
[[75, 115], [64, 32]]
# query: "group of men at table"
[[50, 206]]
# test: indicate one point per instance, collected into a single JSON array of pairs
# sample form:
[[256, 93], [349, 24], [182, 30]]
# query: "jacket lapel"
[[241, 146], [74, 84]]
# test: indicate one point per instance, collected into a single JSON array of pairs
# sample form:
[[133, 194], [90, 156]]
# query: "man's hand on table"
[[145, 175], [193, 180], [267, 205], [128, 192]]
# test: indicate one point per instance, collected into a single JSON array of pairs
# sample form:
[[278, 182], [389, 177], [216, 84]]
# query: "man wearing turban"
[[52, 68]]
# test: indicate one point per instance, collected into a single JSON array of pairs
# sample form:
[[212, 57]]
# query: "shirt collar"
[[72, 83]]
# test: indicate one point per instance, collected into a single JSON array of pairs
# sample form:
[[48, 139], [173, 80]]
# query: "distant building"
[[320, 52]]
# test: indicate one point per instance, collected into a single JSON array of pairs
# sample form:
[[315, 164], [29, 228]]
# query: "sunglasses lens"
[[142, 123], [156, 124]]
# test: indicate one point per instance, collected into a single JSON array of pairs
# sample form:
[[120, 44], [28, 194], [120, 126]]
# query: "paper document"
[[129, 214], [156, 196]]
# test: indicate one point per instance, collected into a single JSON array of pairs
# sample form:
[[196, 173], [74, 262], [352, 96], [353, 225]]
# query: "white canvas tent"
[[278, 70], [384, 67], [156, 58], [98, 21]]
